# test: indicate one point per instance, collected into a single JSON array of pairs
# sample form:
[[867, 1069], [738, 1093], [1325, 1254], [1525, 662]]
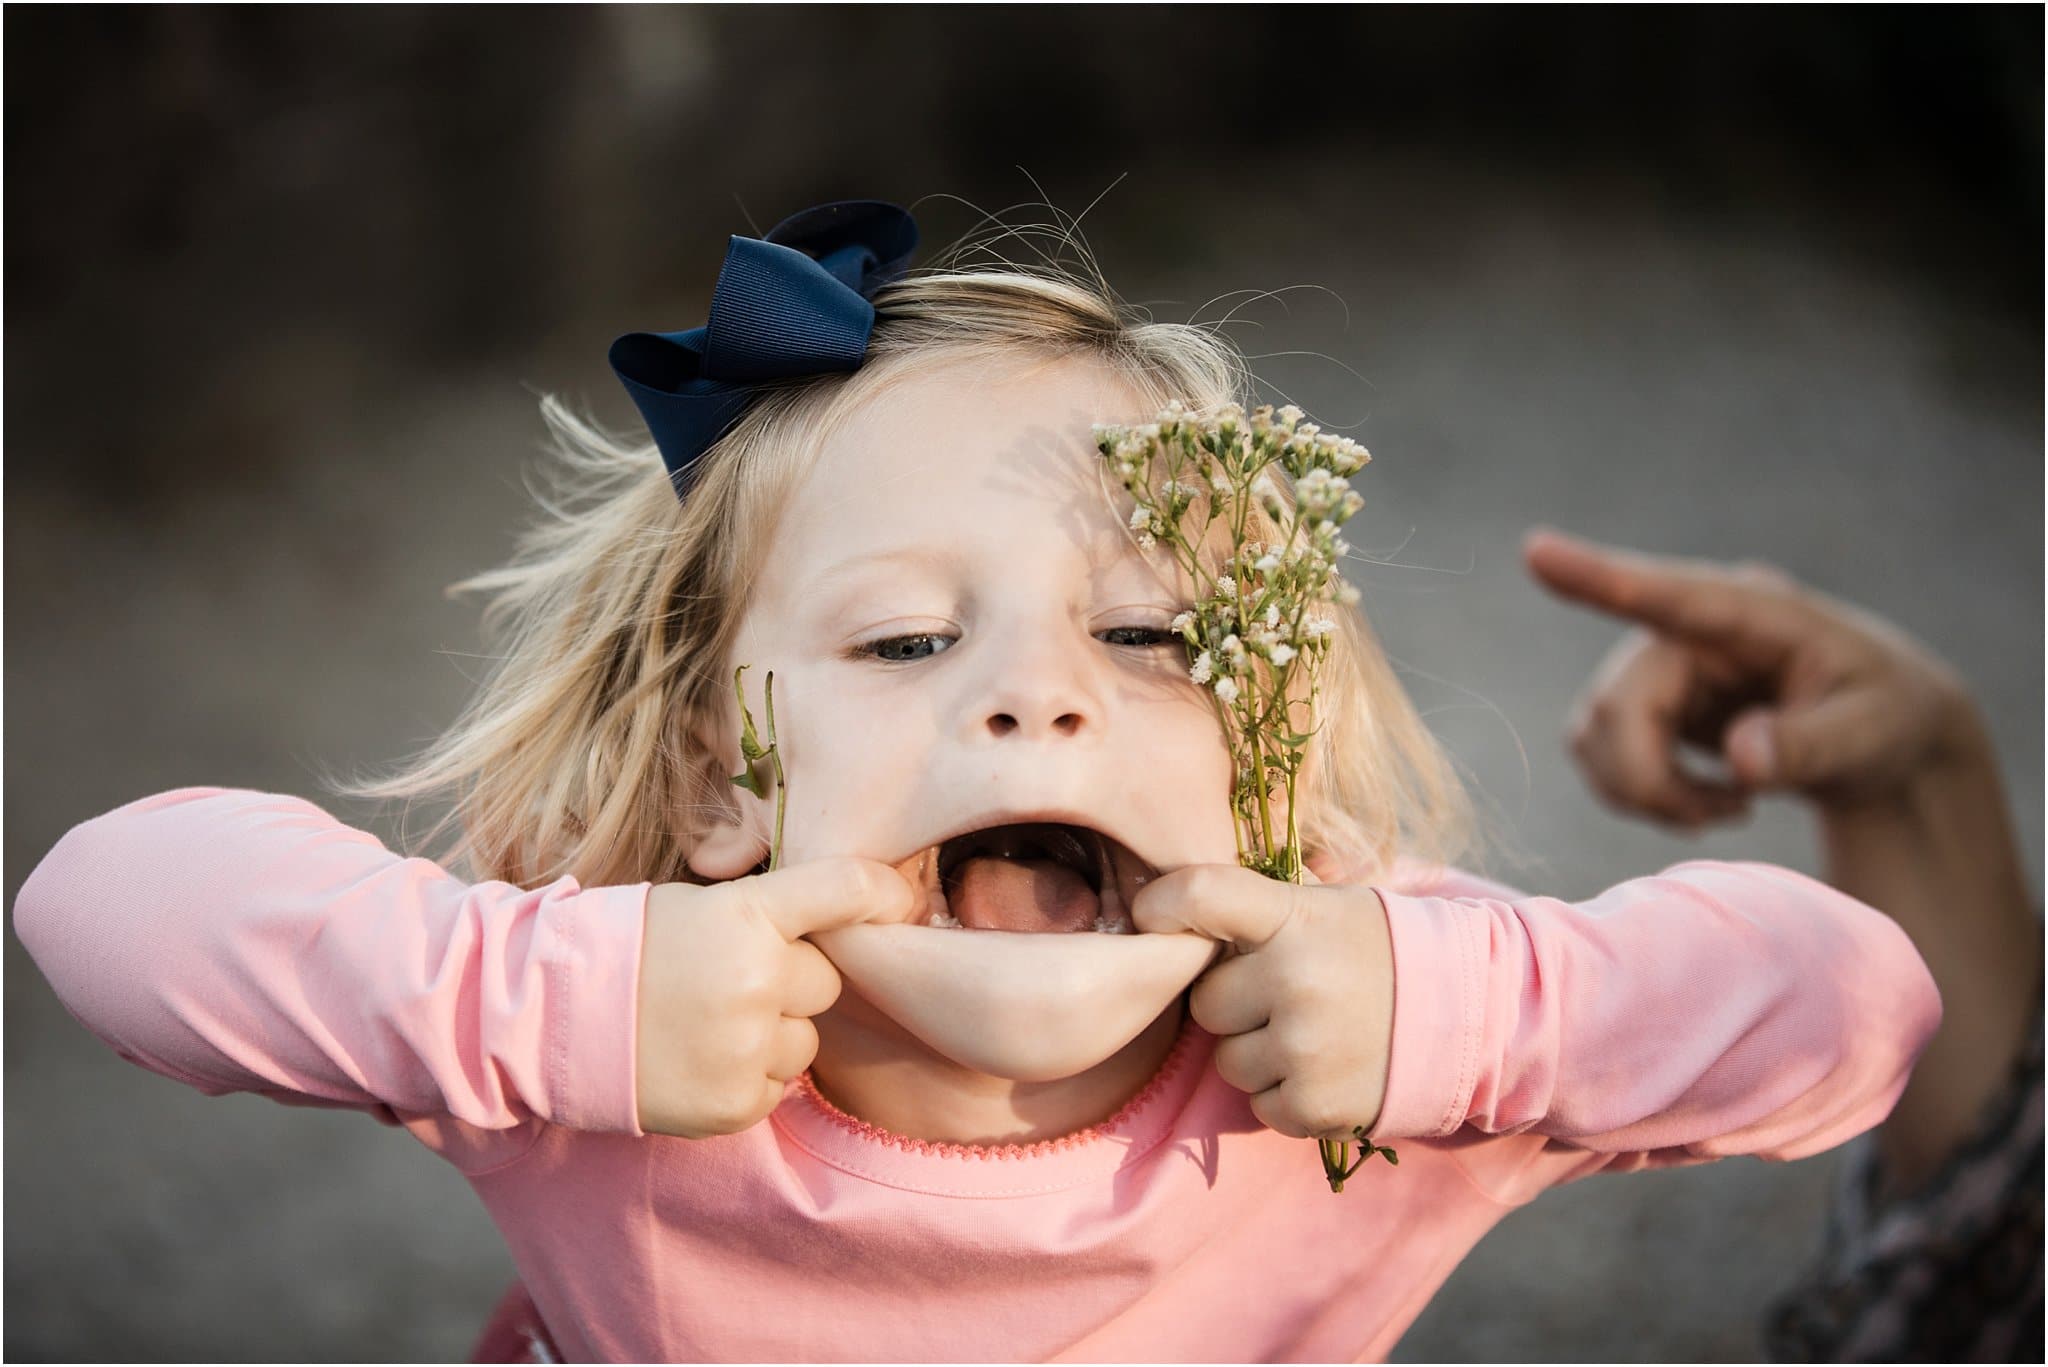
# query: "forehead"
[[989, 451]]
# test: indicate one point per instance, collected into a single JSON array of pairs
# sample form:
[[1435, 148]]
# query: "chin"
[[1019, 1005]]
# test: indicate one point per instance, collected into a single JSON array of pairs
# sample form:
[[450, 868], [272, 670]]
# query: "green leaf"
[[750, 744]]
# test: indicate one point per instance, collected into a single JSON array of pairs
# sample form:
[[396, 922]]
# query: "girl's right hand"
[[728, 987]]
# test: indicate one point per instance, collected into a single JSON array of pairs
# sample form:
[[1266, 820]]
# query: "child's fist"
[[1303, 1006], [728, 987]]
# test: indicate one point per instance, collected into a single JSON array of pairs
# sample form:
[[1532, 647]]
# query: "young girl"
[[872, 1104]]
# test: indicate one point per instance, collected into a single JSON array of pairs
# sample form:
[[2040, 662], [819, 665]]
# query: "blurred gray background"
[[282, 285]]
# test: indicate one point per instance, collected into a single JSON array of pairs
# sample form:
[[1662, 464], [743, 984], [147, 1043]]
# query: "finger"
[[1626, 730], [1221, 901], [810, 983], [1250, 1063], [1231, 997], [822, 894], [796, 1045], [1276, 1112], [1631, 760], [1752, 613], [1854, 732]]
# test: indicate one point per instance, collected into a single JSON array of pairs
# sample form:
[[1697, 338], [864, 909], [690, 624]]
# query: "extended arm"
[[1710, 1010], [241, 941], [1939, 856]]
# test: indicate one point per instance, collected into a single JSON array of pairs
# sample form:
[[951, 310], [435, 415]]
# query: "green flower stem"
[[1230, 457], [781, 788], [763, 763]]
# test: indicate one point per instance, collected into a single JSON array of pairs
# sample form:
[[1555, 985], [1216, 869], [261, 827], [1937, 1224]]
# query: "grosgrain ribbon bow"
[[793, 302]]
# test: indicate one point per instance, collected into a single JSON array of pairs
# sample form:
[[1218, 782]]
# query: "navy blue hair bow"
[[793, 302]]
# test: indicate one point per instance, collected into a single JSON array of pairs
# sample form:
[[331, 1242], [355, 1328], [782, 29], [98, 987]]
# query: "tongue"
[[990, 893]]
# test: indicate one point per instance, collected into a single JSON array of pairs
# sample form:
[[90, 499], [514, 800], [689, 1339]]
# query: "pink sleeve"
[[249, 942], [1710, 1010]]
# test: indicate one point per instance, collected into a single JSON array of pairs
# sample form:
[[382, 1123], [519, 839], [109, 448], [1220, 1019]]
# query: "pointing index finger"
[[1750, 614]]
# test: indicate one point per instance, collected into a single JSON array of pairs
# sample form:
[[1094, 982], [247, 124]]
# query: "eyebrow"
[[832, 576]]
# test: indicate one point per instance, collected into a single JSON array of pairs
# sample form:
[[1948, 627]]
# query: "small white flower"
[[1182, 623], [1263, 488], [1220, 485], [1233, 647], [1226, 587], [1267, 563], [1146, 541], [1281, 655], [1226, 689], [1289, 415], [1203, 668], [1272, 614], [1346, 594]]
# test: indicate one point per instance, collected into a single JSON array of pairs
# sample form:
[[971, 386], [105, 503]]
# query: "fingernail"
[[1751, 746]]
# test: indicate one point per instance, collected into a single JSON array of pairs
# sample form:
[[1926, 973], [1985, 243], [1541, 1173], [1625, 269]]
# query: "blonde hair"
[[580, 754]]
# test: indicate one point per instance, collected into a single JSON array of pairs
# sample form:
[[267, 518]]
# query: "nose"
[[1042, 688]]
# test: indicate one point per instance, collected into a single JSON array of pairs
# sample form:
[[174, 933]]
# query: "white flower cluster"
[[1183, 472], [1320, 493]]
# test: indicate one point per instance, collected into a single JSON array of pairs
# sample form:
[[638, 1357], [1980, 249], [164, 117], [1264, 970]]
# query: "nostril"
[[1002, 723], [1068, 724]]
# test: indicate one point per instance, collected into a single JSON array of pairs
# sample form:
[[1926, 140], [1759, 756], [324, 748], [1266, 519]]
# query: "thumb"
[[1806, 747], [824, 894], [1221, 901]]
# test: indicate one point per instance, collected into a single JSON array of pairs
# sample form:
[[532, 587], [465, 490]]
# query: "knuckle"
[[730, 1112], [1762, 575], [1203, 1003], [751, 978], [863, 883], [1230, 1064], [1296, 1038], [1579, 737], [802, 1042], [1604, 709], [1272, 1113], [1317, 1112]]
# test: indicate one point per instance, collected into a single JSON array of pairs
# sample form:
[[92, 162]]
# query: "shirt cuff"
[[1440, 965], [592, 1037]]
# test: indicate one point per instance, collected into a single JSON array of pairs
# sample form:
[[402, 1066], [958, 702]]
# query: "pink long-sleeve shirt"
[[241, 941]]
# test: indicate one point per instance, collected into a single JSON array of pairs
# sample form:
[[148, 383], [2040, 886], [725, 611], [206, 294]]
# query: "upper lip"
[[1047, 815]]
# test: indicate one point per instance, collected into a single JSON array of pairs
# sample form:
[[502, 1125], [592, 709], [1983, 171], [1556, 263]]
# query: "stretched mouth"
[[1032, 876]]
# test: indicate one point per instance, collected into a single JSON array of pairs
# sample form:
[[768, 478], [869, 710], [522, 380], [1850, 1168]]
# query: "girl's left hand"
[[1303, 1003]]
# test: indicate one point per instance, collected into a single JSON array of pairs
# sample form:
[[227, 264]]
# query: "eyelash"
[[872, 649]]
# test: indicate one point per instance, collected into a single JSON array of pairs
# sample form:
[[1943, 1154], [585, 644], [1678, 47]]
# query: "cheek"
[[856, 768]]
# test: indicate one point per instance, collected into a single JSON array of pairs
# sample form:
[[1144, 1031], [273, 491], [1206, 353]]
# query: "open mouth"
[[1030, 876]]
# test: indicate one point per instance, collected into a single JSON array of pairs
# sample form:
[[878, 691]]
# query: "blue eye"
[[892, 648], [907, 649]]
